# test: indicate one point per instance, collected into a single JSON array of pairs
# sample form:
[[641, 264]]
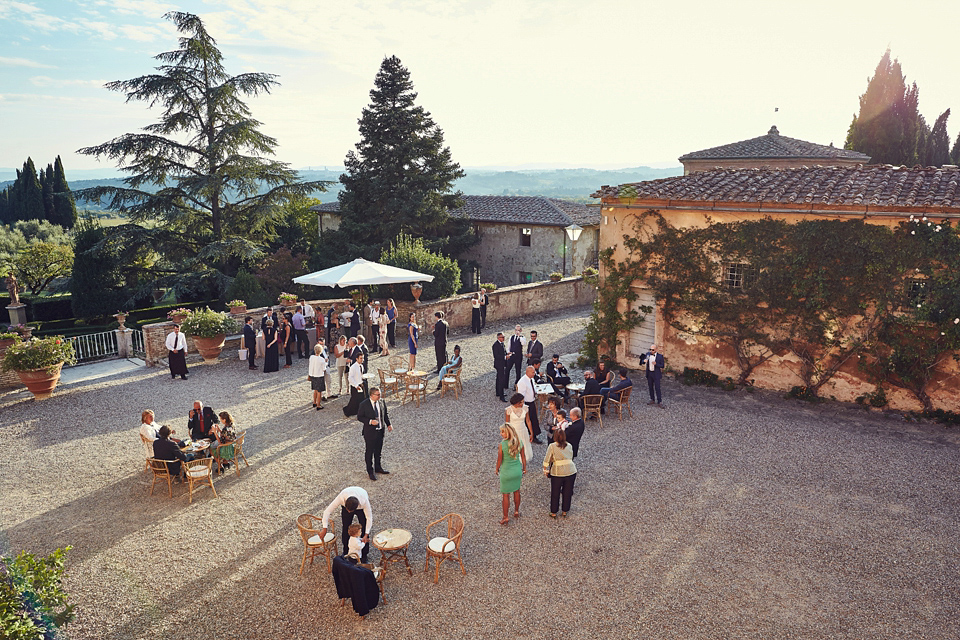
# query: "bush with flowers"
[[39, 353], [179, 311], [287, 299]]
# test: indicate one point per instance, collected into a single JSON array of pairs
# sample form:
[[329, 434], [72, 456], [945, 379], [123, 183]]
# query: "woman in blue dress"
[[413, 335]]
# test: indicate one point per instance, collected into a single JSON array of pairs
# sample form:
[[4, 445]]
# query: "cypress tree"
[[46, 187], [937, 152], [30, 194], [64, 206], [5, 207], [955, 152]]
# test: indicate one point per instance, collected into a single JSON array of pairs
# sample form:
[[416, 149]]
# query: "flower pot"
[[6, 343], [556, 278], [238, 311], [417, 290], [210, 348], [178, 317], [41, 382]]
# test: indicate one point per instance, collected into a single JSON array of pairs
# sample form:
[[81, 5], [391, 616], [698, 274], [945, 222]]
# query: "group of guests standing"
[[282, 330]]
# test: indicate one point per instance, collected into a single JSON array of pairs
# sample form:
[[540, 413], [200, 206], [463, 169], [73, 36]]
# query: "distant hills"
[[575, 184]]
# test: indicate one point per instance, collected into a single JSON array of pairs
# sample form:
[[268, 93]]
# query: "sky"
[[512, 83]]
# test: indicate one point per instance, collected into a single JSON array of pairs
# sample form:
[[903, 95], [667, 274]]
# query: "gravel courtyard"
[[724, 515]]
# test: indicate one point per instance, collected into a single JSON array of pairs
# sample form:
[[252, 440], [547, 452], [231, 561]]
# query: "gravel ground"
[[725, 515]]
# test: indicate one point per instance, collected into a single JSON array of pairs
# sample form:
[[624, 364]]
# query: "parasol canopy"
[[361, 272]]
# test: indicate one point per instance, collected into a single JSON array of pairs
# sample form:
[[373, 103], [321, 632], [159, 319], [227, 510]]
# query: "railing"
[[95, 346], [138, 348]]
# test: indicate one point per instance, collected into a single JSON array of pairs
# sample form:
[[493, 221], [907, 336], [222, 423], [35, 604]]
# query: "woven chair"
[[160, 471], [378, 573], [591, 407], [222, 453], [440, 548], [416, 389], [310, 527], [397, 362], [147, 441], [621, 402], [388, 381], [200, 471], [452, 381]]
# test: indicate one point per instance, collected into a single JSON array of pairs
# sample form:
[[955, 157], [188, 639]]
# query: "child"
[[355, 544]]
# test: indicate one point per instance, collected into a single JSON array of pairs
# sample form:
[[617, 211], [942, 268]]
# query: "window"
[[525, 277], [525, 235], [738, 275]]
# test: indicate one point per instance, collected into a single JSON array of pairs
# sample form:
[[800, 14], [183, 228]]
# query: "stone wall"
[[506, 303]]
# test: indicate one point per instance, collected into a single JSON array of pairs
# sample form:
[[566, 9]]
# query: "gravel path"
[[726, 515]]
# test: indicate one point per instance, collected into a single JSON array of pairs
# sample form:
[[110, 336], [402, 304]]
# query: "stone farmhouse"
[[523, 239], [772, 151], [877, 194]]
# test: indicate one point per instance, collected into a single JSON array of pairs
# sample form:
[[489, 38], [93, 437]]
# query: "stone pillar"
[[18, 313], [124, 342]]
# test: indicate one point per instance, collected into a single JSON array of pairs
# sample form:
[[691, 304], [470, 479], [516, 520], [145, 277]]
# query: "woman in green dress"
[[511, 465]]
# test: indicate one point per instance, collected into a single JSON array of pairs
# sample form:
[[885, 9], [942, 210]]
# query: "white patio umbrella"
[[361, 272]]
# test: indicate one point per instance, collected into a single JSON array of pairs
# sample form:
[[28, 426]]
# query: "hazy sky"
[[579, 83]]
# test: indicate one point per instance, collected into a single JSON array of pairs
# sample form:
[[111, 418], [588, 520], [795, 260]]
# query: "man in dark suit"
[[250, 342], [355, 320], [517, 342], [624, 383], [534, 349], [166, 449], [500, 365], [484, 302], [590, 387], [332, 319], [440, 331], [574, 430], [558, 373], [652, 362], [373, 415]]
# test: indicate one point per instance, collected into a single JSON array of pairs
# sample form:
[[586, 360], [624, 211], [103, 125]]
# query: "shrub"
[[32, 601], [410, 253], [246, 287], [488, 286], [39, 353], [803, 393], [204, 323], [698, 376]]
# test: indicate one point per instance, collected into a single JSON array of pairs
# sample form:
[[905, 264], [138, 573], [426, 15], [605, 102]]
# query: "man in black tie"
[[440, 331], [250, 342], [517, 342], [373, 415], [534, 349], [574, 430], [500, 365], [355, 320]]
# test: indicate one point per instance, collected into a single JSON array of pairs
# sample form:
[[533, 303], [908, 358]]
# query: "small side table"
[[392, 545]]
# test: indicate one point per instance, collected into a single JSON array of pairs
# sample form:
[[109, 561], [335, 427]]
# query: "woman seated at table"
[[452, 365], [226, 435], [166, 449]]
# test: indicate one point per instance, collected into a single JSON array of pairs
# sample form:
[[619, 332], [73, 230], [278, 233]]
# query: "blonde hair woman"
[[383, 322], [511, 465]]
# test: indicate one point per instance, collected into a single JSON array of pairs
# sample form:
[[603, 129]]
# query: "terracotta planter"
[[417, 290], [40, 382], [210, 348], [556, 278], [238, 311], [178, 317], [4, 344]]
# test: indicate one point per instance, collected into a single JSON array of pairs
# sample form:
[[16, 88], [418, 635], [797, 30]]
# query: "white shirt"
[[651, 361], [345, 318], [374, 317], [317, 366], [355, 376], [341, 500], [176, 341], [309, 311], [149, 431], [355, 547], [525, 386]]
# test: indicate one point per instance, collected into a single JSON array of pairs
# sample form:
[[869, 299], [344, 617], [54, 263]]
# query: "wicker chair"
[[621, 402], [200, 471], [160, 471], [397, 362], [310, 527], [388, 381], [237, 453], [591, 407], [147, 441], [416, 389], [452, 381], [441, 548], [378, 573]]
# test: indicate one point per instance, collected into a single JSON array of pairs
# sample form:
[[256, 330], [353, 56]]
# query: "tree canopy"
[[400, 178], [218, 195]]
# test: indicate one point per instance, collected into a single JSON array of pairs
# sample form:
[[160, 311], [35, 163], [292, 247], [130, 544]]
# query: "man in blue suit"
[[652, 362]]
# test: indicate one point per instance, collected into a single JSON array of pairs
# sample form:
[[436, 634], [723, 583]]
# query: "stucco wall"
[[501, 258]]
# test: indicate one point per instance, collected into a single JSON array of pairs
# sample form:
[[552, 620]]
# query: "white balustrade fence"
[[138, 348], [95, 346]]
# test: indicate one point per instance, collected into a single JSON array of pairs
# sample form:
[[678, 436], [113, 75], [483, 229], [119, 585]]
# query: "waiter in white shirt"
[[525, 386], [349, 500], [177, 356], [355, 379]]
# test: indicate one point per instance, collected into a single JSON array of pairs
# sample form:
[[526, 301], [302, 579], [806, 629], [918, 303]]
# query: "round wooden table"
[[392, 545], [577, 388]]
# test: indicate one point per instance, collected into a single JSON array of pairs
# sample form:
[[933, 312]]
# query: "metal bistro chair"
[[591, 407], [310, 527], [621, 402], [441, 548]]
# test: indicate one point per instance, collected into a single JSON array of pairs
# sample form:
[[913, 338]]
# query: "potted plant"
[[488, 287], [38, 363], [7, 339], [209, 331], [556, 276], [287, 299], [237, 307], [417, 290], [177, 315]]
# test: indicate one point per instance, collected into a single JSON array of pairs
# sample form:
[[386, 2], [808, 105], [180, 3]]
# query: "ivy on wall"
[[828, 292]]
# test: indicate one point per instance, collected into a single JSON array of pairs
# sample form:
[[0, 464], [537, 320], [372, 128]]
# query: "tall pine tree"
[[888, 124], [64, 206], [400, 178]]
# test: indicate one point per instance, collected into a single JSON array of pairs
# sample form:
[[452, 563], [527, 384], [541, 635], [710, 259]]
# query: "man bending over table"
[[349, 500]]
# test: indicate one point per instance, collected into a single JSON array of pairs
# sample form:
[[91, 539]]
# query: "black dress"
[[271, 359]]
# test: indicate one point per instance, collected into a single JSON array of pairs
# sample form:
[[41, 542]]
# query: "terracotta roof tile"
[[873, 185], [773, 145]]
